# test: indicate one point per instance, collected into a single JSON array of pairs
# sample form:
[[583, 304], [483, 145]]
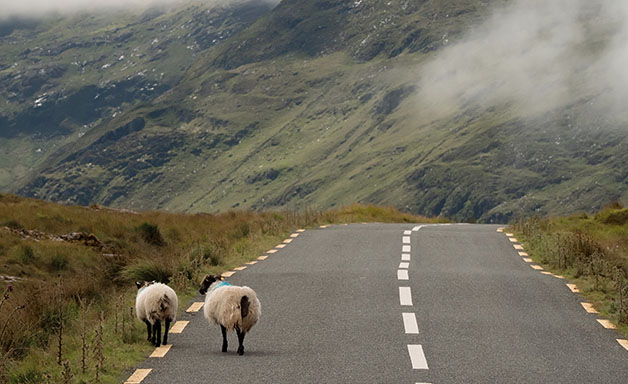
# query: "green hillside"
[[323, 103]]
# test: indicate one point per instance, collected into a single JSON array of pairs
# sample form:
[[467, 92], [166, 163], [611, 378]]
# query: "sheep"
[[156, 302], [231, 307]]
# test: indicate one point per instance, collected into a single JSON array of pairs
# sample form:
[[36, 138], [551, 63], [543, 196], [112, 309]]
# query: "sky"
[[534, 54]]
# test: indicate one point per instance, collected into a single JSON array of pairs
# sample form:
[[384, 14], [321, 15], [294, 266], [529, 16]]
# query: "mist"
[[37, 8], [534, 55]]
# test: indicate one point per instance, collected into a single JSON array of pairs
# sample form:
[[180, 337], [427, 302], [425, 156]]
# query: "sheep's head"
[[142, 284], [208, 280]]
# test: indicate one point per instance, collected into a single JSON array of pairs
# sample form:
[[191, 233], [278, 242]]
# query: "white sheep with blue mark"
[[156, 302], [232, 307]]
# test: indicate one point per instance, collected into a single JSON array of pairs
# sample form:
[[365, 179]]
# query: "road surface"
[[400, 303]]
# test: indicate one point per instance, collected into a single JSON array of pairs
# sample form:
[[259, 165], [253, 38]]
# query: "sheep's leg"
[[158, 329], [224, 337], [240, 340], [167, 326], [149, 330]]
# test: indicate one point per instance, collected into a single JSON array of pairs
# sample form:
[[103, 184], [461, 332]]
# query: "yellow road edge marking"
[[262, 258], [287, 241], [281, 246], [523, 254], [300, 230], [137, 376], [537, 267], [293, 235], [228, 274], [323, 226], [242, 268], [179, 326], [573, 288], [251, 262], [271, 251], [517, 246], [589, 308], [509, 234], [527, 259], [513, 239], [559, 276], [500, 229], [623, 343], [195, 306], [161, 351], [547, 273], [606, 324]]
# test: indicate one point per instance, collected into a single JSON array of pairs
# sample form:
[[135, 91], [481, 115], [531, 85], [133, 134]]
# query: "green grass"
[[589, 250], [57, 276]]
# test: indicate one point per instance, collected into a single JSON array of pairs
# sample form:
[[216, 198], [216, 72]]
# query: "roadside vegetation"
[[67, 274], [590, 250]]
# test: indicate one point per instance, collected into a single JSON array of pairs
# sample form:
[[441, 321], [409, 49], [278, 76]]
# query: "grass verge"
[[589, 250]]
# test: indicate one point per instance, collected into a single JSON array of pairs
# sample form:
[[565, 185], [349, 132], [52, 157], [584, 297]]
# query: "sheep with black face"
[[232, 307], [156, 302]]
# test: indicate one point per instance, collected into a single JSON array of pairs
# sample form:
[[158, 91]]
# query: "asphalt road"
[[332, 313]]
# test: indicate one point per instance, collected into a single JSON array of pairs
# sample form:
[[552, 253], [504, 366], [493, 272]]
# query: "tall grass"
[[592, 249], [51, 333]]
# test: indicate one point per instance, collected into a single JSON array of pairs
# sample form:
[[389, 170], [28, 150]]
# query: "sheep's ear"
[[138, 284]]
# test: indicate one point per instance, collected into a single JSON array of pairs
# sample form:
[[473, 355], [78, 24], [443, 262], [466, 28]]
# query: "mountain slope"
[[321, 103]]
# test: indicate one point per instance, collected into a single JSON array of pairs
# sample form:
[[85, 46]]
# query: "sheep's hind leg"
[[224, 338], [167, 326], [157, 333], [148, 328], [240, 340]]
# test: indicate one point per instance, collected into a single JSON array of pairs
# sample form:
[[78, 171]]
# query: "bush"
[[148, 271], [150, 233]]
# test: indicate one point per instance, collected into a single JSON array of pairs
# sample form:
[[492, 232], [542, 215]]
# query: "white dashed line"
[[417, 356], [407, 232], [405, 248], [405, 257], [410, 324], [404, 264], [406, 240], [402, 274], [405, 296]]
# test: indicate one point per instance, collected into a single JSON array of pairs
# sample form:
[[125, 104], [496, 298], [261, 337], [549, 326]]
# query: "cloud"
[[37, 8], [535, 54]]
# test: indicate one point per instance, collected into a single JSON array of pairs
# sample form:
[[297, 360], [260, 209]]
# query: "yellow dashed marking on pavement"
[[195, 306], [517, 246], [281, 246], [509, 234], [251, 262], [179, 326], [527, 259], [161, 351], [559, 276], [589, 308], [294, 235], [300, 230], [606, 324], [323, 226], [500, 229], [623, 343], [537, 267], [547, 273], [513, 239], [573, 288], [524, 254], [271, 251], [228, 274], [287, 241], [239, 268], [262, 258], [137, 376]]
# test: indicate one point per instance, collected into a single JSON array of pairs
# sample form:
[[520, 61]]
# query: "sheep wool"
[[223, 306], [156, 302]]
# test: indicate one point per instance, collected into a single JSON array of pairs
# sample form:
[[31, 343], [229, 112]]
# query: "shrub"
[[147, 271], [150, 233]]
